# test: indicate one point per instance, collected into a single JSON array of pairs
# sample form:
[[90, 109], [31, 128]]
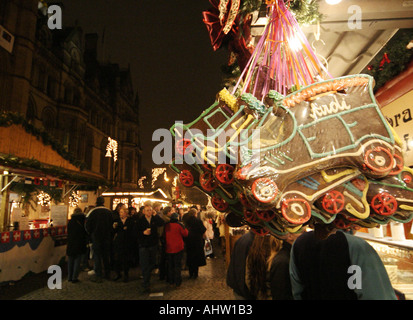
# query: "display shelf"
[[408, 243], [397, 257]]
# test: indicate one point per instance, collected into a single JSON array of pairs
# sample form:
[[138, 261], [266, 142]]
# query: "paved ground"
[[210, 285]]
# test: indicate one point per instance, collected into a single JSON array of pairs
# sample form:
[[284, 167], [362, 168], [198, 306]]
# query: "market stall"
[[40, 185], [394, 241]]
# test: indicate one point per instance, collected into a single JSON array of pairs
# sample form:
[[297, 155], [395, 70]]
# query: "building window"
[[51, 87], [41, 80], [31, 112], [76, 98], [48, 119], [129, 168], [35, 74], [68, 94]]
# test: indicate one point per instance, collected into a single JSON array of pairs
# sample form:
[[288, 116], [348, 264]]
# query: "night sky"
[[174, 68]]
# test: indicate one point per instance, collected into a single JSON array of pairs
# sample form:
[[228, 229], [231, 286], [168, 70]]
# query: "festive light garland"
[[140, 182], [155, 174], [74, 199], [43, 198], [112, 146]]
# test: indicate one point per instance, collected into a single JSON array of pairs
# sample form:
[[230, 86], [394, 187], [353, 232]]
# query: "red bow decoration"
[[223, 27], [384, 60]]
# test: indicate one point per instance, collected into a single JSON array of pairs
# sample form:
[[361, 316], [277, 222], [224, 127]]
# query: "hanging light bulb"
[[295, 44]]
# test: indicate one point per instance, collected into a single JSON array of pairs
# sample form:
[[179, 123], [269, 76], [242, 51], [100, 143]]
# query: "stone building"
[[53, 80]]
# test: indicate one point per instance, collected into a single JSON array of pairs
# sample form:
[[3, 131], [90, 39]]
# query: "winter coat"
[[174, 234], [152, 239], [279, 277], [123, 237], [237, 266], [76, 235], [99, 225], [134, 233], [195, 242], [313, 259]]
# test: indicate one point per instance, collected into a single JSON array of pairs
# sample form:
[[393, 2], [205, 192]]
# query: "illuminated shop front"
[[136, 199]]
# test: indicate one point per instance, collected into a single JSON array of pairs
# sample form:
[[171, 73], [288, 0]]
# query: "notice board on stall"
[[399, 114], [58, 214]]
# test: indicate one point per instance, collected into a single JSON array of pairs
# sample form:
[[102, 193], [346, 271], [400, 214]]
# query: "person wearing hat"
[[174, 234]]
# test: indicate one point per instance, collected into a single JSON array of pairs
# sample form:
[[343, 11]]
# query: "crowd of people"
[[308, 265], [312, 265], [158, 240]]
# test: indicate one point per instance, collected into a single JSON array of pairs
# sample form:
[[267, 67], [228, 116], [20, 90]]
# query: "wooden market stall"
[[36, 181]]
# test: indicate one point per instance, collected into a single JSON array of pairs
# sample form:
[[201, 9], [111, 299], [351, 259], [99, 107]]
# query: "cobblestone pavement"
[[210, 285]]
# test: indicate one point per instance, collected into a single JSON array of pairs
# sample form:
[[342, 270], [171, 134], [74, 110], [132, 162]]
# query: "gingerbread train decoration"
[[279, 155], [323, 154]]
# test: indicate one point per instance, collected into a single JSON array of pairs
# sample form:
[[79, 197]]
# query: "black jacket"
[[76, 235], [194, 242], [152, 239], [323, 266], [123, 238], [280, 275], [99, 224], [236, 268]]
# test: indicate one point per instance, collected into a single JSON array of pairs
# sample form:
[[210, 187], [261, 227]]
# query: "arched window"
[[41, 81], [76, 97], [51, 87], [130, 136], [73, 136], [35, 74], [68, 97], [45, 36], [49, 119], [31, 113], [75, 54], [129, 168]]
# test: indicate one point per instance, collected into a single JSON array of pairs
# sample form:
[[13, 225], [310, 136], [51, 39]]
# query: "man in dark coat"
[[99, 226], [322, 268], [148, 236], [236, 268], [76, 244], [194, 244]]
